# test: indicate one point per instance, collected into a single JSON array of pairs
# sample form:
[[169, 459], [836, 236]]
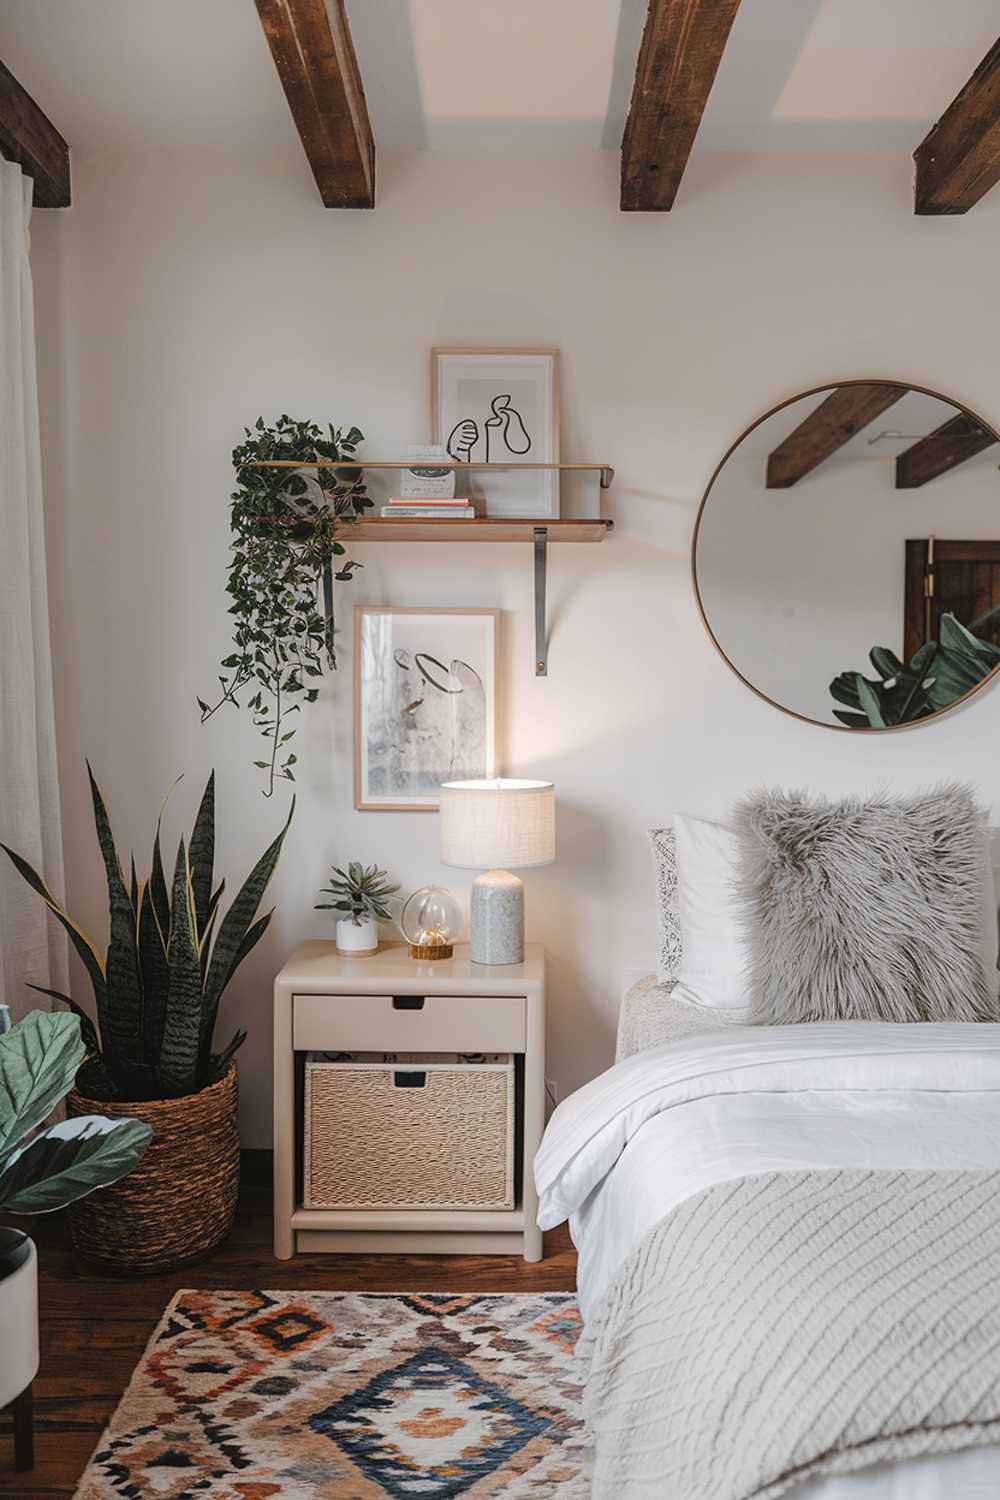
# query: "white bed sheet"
[[652, 1133], [683, 1150]]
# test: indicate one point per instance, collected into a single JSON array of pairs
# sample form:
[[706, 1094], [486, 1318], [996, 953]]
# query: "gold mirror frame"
[[816, 390]]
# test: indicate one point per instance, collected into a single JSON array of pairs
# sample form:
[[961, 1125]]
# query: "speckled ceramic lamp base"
[[496, 928]]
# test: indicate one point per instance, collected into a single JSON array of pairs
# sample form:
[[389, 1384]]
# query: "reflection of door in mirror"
[[958, 578], [799, 544]]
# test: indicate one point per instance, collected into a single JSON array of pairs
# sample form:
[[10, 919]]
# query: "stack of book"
[[429, 506]]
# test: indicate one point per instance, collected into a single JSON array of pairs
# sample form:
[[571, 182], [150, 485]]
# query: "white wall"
[[183, 295]]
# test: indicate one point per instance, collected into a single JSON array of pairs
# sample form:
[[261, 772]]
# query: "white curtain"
[[32, 947]]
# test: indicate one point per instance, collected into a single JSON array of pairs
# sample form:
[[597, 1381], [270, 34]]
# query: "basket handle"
[[409, 1080]]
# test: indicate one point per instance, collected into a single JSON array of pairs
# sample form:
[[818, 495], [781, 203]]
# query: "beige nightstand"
[[326, 1003]]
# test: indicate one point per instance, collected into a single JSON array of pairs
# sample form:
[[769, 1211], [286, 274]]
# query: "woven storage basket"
[[409, 1130], [180, 1201]]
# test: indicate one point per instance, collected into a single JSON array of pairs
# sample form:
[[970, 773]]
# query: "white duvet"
[[664, 1124]]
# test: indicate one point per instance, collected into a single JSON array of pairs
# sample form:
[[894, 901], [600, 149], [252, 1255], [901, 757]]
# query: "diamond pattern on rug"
[[289, 1328], [431, 1427], [422, 1396]]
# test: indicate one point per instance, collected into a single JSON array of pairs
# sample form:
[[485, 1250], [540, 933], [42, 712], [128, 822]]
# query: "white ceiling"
[[798, 75]]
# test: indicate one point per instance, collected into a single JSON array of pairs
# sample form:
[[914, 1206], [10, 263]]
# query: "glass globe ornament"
[[431, 922]]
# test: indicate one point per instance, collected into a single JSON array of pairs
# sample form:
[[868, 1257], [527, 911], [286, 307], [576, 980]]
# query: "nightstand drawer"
[[408, 1023]]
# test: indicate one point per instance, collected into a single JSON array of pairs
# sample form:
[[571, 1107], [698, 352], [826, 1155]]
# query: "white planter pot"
[[19, 1322], [357, 939]]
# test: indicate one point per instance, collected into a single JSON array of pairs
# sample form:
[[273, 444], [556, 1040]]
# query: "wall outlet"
[[551, 1096]]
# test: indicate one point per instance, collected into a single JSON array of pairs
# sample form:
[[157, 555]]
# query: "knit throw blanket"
[[794, 1324]]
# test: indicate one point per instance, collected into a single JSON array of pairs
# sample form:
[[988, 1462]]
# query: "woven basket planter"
[[180, 1201]]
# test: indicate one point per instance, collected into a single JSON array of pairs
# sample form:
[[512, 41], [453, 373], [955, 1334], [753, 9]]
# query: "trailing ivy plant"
[[285, 557]]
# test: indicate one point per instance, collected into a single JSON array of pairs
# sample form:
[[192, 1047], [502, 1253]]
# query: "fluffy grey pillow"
[[868, 909]]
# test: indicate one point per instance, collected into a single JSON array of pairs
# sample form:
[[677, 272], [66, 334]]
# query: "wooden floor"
[[94, 1328]]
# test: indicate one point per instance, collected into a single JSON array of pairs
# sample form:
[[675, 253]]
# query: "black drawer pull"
[[407, 1002], [410, 1080]]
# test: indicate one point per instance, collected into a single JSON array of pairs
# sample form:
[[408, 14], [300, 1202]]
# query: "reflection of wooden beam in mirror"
[[310, 42], [835, 421], [959, 160], [29, 137], [681, 49], [955, 441]]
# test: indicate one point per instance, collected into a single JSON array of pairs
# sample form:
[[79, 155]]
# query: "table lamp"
[[491, 826]]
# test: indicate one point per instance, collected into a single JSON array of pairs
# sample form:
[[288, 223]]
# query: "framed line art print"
[[425, 691], [500, 406]]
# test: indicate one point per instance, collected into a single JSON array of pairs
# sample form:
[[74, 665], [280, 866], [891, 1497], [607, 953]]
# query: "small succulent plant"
[[359, 891]]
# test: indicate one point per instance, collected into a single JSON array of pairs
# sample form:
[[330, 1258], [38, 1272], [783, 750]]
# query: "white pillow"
[[714, 947]]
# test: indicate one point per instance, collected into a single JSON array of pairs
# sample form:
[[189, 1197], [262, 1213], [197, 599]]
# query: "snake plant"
[[168, 961], [938, 673], [359, 891], [44, 1169]]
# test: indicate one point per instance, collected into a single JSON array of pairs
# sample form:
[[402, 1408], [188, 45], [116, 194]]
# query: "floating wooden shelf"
[[480, 529], [471, 529]]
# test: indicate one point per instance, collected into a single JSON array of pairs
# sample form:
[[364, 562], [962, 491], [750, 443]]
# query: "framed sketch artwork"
[[500, 406], [424, 703]]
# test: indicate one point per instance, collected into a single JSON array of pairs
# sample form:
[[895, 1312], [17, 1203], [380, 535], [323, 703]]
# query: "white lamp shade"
[[498, 825]]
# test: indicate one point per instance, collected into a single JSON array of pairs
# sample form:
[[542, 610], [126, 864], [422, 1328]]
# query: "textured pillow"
[[868, 909], [668, 930]]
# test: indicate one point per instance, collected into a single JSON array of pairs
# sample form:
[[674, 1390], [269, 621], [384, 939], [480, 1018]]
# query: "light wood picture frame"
[[425, 703], [500, 406]]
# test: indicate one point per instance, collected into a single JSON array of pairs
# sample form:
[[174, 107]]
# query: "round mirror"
[[847, 555]]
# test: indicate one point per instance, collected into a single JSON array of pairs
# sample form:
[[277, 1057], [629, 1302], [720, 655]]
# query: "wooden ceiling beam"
[[682, 46], [311, 44], [28, 136], [955, 441], [834, 422], [959, 160]]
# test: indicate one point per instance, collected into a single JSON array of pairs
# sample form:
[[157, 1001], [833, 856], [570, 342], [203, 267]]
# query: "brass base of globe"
[[431, 950]]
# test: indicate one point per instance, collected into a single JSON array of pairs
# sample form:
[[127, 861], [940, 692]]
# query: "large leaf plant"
[[937, 674], [168, 961], [285, 522], [43, 1168]]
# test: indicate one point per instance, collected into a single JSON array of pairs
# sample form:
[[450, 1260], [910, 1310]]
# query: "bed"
[[700, 1109]]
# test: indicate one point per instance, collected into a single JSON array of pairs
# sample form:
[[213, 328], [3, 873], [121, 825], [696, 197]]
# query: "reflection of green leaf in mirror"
[[938, 674], [962, 661]]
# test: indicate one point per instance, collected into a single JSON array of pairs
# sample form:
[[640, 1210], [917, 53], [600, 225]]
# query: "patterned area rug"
[[244, 1395]]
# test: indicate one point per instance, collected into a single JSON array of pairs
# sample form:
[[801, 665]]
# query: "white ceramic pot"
[[357, 939], [19, 1322]]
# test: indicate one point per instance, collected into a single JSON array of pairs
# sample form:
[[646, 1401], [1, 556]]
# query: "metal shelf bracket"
[[541, 545]]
